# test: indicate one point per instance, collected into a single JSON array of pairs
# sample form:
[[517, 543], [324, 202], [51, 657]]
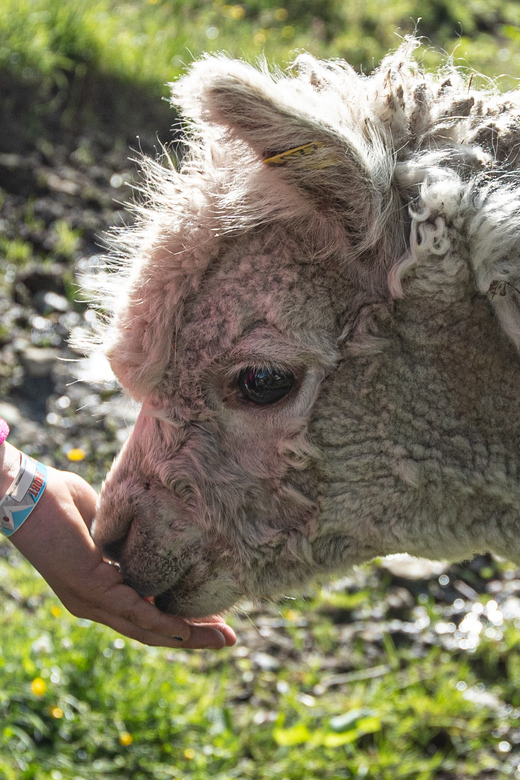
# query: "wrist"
[[23, 493]]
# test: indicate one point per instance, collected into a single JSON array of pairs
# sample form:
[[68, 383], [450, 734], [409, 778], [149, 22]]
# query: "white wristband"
[[23, 494]]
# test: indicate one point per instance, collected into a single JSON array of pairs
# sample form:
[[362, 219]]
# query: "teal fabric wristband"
[[23, 494]]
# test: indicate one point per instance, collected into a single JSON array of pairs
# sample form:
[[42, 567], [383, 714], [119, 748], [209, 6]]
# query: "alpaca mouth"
[[198, 598], [168, 602], [163, 601]]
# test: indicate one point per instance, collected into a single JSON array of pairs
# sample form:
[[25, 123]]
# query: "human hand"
[[55, 539]]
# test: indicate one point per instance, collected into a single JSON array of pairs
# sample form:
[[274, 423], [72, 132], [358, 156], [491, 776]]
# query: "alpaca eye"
[[265, 385]]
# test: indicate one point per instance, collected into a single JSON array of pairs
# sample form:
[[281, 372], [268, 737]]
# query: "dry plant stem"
[[56, 540]]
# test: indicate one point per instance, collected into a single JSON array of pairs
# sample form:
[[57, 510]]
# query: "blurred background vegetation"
[[385, 674], [80, 57]]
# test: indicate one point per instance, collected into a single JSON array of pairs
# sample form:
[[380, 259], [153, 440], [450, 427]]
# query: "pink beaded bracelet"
[[4, 431]]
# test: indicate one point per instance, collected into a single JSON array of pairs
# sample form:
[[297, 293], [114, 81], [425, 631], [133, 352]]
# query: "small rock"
[[38, 361], [408, 568], [399, 600], [510, 608], [482, 698], [10, 413], [266, 662], [56, 183], [50, 301]]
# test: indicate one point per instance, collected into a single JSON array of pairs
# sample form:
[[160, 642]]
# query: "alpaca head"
[[251, 323]]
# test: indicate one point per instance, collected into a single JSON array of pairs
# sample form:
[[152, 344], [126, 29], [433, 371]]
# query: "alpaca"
[[319, 312]]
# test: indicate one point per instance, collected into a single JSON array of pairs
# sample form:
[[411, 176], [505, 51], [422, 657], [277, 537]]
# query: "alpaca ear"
[[282, 122]]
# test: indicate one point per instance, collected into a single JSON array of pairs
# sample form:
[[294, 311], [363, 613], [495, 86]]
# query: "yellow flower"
[[189, 754], [56, 611], [237, 12], [126, 739], [38, 686], [57, 712], [291, 614], [75, 454]]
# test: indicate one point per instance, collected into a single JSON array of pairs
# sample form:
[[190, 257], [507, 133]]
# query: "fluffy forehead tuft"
[[346, 199]]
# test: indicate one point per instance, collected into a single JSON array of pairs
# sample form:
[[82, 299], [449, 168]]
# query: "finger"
[[209, 620], [213, 621], [112, 599], [147, 616], [201, 638], [126, 605], [123, 602], [227, 632]]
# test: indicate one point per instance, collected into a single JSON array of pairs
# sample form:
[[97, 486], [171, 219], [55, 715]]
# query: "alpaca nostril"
[[113, 550]]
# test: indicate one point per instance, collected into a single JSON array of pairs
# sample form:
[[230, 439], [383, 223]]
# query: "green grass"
[[106, 63], [79, 702], [149, 43]]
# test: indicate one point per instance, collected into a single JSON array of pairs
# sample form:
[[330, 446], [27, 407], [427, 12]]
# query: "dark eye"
[[265, 385]]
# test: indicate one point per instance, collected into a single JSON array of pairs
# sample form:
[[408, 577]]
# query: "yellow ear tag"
[[303, 156]]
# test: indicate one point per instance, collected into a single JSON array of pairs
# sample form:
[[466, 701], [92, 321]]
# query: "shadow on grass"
[[73, 103]]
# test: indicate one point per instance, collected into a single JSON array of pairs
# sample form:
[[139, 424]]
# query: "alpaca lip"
[[170, 600], [163, 602]]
